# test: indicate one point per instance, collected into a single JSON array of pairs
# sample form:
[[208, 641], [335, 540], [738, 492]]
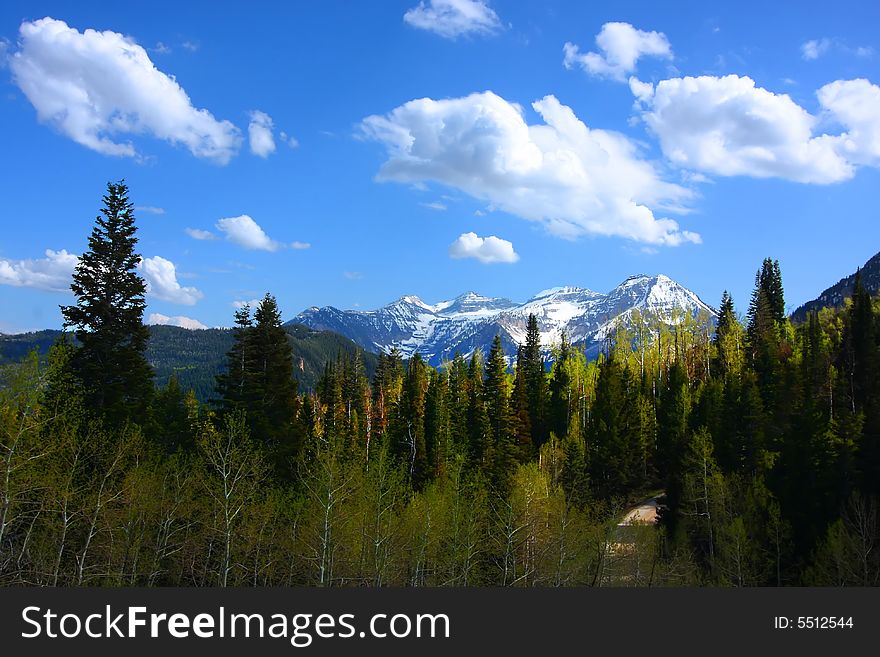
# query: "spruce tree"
[[108, 315], [477, 418], [411, 441], [233, 385], [271, 416], [560, 391], [531, 368], [259, 381], [500, 444], [728, 338]]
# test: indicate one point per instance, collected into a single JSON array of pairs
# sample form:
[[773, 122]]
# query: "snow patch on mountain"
[[471, 320]]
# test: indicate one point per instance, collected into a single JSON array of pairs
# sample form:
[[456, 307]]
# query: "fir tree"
[[560, 390], [535, 382], [108, 315], [411, 441], [500, 446], [477, 417], [233, 385], [274, 405]]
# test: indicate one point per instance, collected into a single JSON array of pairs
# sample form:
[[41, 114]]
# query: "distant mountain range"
[[471, 321], [835, 295]]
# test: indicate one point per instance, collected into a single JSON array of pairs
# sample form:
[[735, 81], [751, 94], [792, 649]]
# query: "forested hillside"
[[197, 357], [835, 295]]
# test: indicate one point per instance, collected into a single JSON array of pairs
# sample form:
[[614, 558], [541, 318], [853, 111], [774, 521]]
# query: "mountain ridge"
[[471, 320], [835, 295]]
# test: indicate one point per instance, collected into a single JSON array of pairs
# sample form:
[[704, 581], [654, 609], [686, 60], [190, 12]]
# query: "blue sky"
[[349, 153]]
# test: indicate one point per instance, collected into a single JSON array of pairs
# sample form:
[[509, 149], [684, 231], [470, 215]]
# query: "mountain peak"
[[471, 321], [413, 300], [566, 289]]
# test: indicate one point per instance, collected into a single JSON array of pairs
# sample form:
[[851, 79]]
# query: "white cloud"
[[487, 250], [434, 205], [149, 209], [95, 87], [573, 179], [300, 246], [238, 304], [290, 140], [52, 273], [815, 48], [621, 47], [247, 233], [161, 277], [643, 91], [454, 18], [177, 320], [728, 126], [855, 104], [199, 234], [260, 137]]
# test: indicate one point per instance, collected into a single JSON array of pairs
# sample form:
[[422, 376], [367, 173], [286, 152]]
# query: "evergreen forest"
[[758, 437]]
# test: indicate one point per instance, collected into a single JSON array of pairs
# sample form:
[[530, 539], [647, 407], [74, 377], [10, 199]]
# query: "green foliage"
[[760, 444]]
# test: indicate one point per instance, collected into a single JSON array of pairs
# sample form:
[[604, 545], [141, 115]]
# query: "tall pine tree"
[[108, 315]]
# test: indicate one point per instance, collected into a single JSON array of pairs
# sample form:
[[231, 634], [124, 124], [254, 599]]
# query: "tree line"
[[760, 438]]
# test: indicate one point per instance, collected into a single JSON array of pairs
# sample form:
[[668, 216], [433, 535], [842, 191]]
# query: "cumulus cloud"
[[177, 320], [487, 250], [730, 127], [621, 47], [161, 277], [247, 233], [52, 273], [815, 48], [260, 137], [855, 104], [199, 234], [454, 18], [573, 179], [96, 87]]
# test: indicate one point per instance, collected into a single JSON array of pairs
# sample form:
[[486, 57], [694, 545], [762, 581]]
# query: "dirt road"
[[644, 514]]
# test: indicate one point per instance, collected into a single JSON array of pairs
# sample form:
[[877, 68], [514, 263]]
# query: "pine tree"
[[259, 381], [560, 390], [108, 315], [500, 444], [437, 437], [271, 417], [411, 442], [535, 381], [477, 418], [764, 332], [728, 338], [233, 385]]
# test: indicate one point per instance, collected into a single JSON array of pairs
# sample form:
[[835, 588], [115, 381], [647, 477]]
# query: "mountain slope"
[[471, 321], [197, 356], [834, 296]]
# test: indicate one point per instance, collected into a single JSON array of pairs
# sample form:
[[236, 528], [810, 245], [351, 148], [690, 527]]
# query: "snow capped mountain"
[[471, 321]]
